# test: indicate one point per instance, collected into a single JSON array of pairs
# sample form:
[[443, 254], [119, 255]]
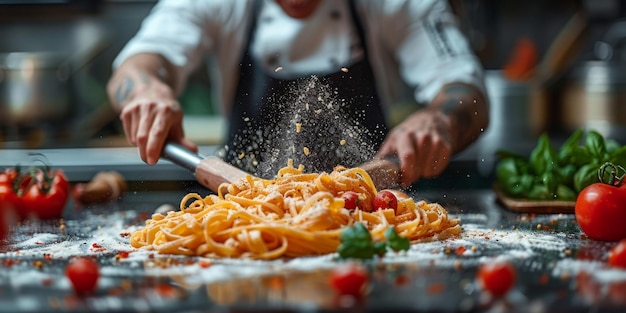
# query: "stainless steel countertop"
[[558, 269], [81, 164]]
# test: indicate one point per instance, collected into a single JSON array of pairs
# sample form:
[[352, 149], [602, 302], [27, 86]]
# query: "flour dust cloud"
[[309, 124]]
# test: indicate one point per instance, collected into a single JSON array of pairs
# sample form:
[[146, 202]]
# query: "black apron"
[[318, 121]]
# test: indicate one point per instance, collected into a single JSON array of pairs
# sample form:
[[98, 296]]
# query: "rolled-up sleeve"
[[173, 29]]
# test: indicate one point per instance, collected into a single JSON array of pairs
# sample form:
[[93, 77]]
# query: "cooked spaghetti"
[[296, 214]]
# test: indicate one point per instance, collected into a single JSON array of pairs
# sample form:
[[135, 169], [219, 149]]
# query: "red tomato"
[[385, 199], [497, 277], [351, 199], [349, 280], [600, 212], [83, 274], [9, 198], [46, 198], [617, 256], [4, 223]]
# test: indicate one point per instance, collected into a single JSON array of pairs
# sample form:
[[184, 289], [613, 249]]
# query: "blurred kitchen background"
[[552, 66]]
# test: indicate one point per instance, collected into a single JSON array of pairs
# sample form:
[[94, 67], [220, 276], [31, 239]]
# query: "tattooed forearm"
[[467, 107], [123, 90], [453, 104]]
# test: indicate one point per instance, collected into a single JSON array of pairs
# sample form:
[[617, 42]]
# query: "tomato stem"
[[615, 176]]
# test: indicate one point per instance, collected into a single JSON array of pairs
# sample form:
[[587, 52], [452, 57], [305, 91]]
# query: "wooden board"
[[534, 206]]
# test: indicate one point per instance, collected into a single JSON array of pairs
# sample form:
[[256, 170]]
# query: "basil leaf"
[[540, 192], [356, 250], [611, 146], [543, 157], [380, 248], [585, 176], [550, 180], [568, 148], [395, 241], [565, 193], [618, 157], [594, 142], [357, 232], [566, 174]]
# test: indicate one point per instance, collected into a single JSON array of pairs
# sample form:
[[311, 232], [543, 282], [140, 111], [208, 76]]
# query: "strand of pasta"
[[296, 214]]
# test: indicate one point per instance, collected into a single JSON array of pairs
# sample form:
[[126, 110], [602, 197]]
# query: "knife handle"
[[384, 172], [210, 172]]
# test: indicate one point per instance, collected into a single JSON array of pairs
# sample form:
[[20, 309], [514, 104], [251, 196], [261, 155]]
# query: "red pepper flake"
[[435, 288], [9, 262], [165, 290], [38, 243], [47, 257], [122, 255], [46, 282], [205, 264], [543, 279], [459, 250], [97, 248], [546, 227], [125, 234], [401, 280]]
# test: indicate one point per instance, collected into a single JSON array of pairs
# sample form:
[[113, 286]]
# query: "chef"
[[308, 80]]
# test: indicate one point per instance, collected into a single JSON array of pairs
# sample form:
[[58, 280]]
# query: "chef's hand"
[[426, 141], [422, 143], [143, 90], [149, 121]]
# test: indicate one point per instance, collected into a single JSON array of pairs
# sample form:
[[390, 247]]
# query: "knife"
[[210, 171]]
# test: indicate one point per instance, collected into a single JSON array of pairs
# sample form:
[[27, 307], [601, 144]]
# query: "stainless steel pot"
[[518, 113], [33, 87], [595, 98]]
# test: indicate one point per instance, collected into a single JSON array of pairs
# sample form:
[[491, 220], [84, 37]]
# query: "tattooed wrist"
[[123, 90]]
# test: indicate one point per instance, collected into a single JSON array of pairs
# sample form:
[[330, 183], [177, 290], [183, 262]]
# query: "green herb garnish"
[[357, 243], [557, 174]]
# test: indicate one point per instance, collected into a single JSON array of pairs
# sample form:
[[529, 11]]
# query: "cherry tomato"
[[385, 199], [349, 279], [497, 277], [617, 255], [4, 223], [9, 188], [600, 212], [47, 197], [83, 274], [351, 199]]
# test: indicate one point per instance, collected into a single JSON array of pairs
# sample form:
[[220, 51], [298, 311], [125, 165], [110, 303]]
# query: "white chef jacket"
[[414, 45]]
